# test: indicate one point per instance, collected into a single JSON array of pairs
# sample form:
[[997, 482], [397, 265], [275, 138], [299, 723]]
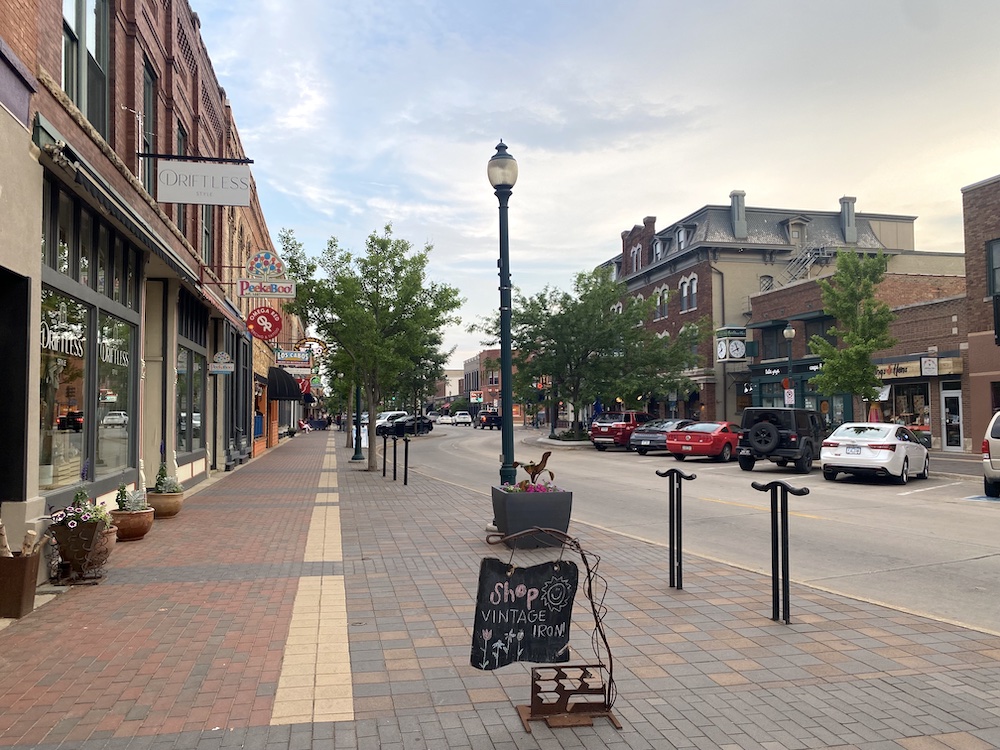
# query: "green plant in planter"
[[166, 483], [131, 502]]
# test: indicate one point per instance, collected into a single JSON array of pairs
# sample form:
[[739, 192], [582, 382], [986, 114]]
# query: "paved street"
[[300, 602]]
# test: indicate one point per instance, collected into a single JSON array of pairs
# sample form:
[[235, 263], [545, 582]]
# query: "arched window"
[[693, 293], [684, 295]]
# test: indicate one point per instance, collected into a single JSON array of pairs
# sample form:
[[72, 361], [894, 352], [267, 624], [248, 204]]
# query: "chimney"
[[738, 212], [847, 225]]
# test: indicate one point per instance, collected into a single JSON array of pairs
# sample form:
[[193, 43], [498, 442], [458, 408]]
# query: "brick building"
[[923, 374], [711, 262], [133, 295], [981, 215]]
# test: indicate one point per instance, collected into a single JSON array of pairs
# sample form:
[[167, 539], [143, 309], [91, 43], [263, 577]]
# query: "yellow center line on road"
[[315, 683], [720, 501]]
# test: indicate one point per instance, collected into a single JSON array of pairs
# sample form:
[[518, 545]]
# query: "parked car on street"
[[715, 439], [384, 420], [433, 415], [780, 435], [115, 419], [489, 418], [615, 428], [874, 449], [991, 457], [652, 435], [412, 425], [445, 419], [463, 417]]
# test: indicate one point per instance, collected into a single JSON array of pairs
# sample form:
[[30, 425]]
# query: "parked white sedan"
[[445, 419], [874, 449], [463, 417]]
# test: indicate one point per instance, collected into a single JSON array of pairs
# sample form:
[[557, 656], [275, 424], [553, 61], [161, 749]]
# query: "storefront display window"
[[63, 390], [190, 393], [114, 408], [909, 405], [772, 394]]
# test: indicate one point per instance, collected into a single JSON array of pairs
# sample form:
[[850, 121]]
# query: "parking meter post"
[[675, 510], [406, 460], [780, 569]]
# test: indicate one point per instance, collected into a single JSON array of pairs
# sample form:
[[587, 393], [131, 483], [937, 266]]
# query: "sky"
[[360, 113]]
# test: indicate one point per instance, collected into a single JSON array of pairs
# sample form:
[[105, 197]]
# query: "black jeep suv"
[[780, 435]]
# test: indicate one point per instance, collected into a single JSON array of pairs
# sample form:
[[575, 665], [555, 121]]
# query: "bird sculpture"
[[533, 469]]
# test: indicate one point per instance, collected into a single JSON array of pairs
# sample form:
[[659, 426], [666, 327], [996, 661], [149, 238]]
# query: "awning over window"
[[281, 386]]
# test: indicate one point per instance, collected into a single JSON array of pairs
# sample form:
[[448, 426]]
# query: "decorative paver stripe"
[[315, 683], [323, 541]]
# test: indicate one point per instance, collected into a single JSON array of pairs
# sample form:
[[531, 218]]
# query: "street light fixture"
[[789, 334], [502, 173]]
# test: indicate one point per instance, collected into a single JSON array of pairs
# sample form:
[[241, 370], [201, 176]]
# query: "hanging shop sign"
[[202, 183], [265, 278], [221, 364], [892, 370], [287, 357], [264, 323], [311, 342], [523, 614]]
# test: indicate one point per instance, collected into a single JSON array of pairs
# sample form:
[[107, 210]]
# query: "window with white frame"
[[85, 66], [688, 289], [682, 238], [636, 258]]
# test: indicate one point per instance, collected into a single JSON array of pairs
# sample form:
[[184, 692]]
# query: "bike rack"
[[674, 509], [779, 542]]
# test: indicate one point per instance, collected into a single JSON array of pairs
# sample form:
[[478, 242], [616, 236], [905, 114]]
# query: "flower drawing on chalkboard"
[[557, 593]]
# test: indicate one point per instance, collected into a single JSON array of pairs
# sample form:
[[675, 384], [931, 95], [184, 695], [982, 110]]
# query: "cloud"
[[359, 114]]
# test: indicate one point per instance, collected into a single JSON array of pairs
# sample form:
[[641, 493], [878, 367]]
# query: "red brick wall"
[[981, 209], [19, 29]]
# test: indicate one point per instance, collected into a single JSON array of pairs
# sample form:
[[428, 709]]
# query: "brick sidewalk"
[[232, 621]]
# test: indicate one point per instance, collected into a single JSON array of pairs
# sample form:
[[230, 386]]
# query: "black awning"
[[281, 386]]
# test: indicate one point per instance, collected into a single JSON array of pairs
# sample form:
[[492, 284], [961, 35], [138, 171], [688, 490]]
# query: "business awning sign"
[[202, 183], [265, 278], [221, 364]]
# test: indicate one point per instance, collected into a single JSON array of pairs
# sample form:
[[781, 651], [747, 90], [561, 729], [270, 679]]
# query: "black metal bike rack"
[[779, 543], [674, 509]]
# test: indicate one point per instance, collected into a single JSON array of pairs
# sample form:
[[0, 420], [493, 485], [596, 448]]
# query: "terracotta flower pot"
[[132, 524], [165, 504], [86, 547]]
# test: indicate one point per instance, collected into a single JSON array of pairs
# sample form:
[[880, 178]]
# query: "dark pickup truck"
[[489, 419]]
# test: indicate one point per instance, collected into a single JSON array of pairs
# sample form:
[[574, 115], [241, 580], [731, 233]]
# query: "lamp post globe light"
[[789, 334], [502, 173]]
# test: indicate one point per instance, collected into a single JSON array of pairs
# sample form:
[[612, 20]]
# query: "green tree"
[[377, 308], [862, 326], [593, 343]]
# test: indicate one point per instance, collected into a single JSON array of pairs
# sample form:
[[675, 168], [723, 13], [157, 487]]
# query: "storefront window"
[[103, 253], [911, 404], [114, 407], [183, 399], [86, 248], [772, 394], [65, 240], [63, 390], [190, 395]]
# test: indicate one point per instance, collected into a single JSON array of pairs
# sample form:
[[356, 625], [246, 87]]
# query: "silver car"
[[991, 457]]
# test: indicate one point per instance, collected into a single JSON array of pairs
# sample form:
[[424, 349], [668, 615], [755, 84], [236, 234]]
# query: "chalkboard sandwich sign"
[[523, 614]]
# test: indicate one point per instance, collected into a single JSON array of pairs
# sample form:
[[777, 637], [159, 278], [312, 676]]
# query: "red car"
[[615, 428], [717, 439]]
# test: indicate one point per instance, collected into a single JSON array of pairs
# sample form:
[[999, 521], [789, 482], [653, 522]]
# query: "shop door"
[[951, 415]]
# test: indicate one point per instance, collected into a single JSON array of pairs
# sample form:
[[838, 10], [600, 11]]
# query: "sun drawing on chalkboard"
[[557, 593]]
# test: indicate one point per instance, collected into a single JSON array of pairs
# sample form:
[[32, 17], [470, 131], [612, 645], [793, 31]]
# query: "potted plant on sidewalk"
[[84, 532], [531, 503], [167, 496], [134, 517]]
